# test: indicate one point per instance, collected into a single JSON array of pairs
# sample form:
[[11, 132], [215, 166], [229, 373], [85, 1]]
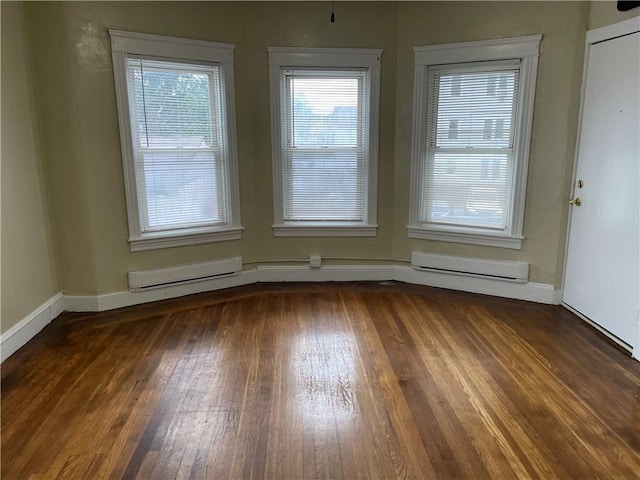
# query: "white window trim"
[[178, 49], [527, 50], [280, 57]]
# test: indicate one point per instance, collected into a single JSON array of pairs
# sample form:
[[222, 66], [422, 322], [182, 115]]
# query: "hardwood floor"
[[321, 381]]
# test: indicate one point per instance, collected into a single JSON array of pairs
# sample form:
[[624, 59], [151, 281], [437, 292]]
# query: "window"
[[177, 125], [324, 110], [473, 110]]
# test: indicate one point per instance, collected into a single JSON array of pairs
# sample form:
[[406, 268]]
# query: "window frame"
[[326, 59], [180, 50], [526, 50]]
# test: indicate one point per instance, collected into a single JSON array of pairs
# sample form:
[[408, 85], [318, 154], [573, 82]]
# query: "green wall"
[[72, 57], [76, 107], [562, 25], [28, 260]]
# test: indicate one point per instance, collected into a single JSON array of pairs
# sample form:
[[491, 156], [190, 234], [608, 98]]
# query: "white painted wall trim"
[[532, 292], [526, 49], [20, 334], [27, 328], [127, 44], [326, 58], [328, 273], [110, 301]]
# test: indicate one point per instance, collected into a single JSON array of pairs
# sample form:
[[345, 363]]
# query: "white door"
[[602, 265]]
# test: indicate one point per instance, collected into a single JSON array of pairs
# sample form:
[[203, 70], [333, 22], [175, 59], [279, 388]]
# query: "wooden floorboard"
[[288, 381]]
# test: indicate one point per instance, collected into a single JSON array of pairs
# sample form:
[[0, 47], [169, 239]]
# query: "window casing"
[[177, 125], [473, 110], [324, 106]]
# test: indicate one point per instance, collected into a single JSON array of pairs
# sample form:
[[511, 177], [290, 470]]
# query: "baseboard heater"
[[164, 277], [475, 267]]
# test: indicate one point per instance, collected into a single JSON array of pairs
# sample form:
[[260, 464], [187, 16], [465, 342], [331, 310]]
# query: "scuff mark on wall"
[[93, 49]]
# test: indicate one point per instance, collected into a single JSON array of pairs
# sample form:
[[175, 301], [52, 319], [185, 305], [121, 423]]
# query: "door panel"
[[601, 273]]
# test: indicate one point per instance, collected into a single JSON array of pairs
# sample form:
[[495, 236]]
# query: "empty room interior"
[[329, 239]]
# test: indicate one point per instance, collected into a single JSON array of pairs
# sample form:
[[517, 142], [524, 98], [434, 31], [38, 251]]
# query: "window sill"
[[184, 238], [465, 236], [325, 230]]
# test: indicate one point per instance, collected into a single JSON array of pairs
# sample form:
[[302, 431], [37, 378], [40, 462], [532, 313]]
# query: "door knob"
[[575, 201]]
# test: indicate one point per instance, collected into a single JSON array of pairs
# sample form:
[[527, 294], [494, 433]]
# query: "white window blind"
[[324, 144], [470, 144], [178, 131]]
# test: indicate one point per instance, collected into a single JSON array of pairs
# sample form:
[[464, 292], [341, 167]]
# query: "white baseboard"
[[21, 333], [533, 292], [326, 273], [115, 300], [27, 328], [264, 273], [557, 297]]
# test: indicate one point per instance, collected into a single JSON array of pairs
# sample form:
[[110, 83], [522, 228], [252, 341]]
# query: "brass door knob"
[[575, 201]]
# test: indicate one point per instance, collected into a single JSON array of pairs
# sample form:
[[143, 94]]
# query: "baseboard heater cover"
[[503, 270], [164, 277]]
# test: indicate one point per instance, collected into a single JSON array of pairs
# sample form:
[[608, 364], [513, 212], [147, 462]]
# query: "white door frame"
[[597, 35]]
